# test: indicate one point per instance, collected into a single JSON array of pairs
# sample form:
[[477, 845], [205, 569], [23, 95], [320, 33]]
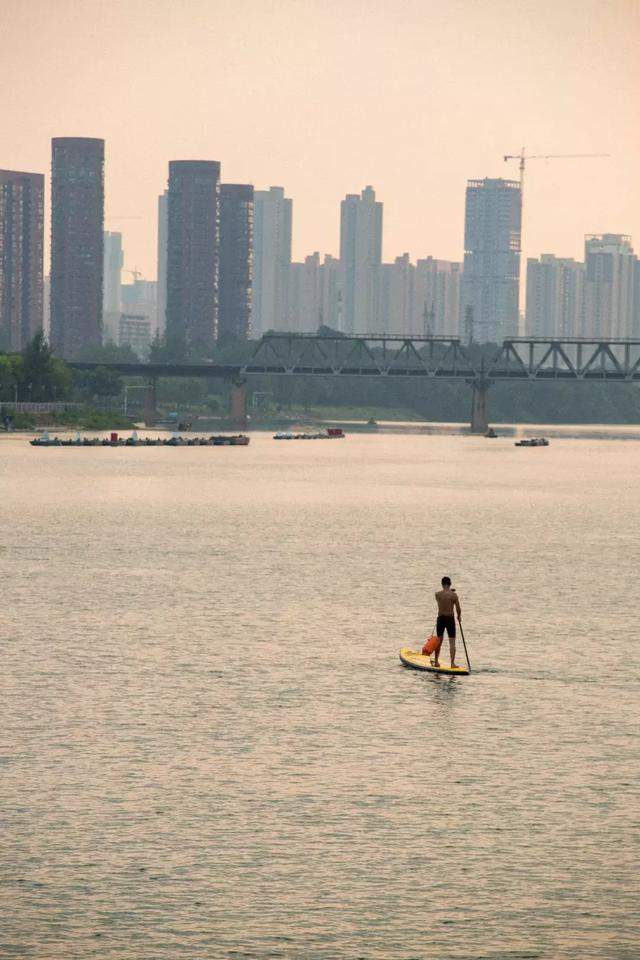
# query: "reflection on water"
[[212, 751]]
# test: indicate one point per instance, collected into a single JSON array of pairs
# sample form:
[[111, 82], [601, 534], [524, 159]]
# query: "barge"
[[215, 440]]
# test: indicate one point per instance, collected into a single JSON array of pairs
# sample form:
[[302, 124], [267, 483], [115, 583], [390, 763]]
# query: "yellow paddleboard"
[[417, 661]]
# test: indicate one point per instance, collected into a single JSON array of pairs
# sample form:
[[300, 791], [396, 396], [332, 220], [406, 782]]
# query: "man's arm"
[[457, 606]]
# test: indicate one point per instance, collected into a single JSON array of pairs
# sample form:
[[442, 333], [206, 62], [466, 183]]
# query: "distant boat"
[[333, 433], [533, 442]]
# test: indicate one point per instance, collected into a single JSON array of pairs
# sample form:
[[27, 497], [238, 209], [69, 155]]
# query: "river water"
[[211, 749]]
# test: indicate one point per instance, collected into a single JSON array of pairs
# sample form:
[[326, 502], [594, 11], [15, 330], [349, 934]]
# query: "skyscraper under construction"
[[491, 275]]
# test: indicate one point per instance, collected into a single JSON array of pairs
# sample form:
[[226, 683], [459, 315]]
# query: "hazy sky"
[[325, 96]]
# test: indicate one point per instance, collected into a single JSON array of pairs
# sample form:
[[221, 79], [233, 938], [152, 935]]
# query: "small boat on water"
[[332, 433], [533, 442]]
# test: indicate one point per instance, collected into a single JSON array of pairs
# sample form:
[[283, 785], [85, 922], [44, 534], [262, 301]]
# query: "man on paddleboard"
[[447, 600]]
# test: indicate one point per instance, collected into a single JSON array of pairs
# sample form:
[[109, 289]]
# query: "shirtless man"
[[447, 599]]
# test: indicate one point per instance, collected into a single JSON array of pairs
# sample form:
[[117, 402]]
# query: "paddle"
[[464, 645]]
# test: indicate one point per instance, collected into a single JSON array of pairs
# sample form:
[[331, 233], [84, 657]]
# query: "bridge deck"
[[391, 355]]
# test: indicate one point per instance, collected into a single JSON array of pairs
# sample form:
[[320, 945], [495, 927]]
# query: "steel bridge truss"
[[518, 358], [352, 356], [566, 359]]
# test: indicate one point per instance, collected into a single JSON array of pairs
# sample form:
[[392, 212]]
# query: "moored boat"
[[532, 442]]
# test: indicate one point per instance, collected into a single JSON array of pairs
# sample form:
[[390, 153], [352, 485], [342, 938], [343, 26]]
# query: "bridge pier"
[[479, 416], [150, 403], [238, 404]]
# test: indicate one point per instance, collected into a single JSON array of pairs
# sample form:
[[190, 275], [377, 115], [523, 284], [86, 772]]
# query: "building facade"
[[437, 298], [331, 293], [555, 297], [77, 219], [305, 295], [140, 298], [163, 230], [610, 276], [134, 331], [21, 254], [236, 262], [193, 254], [112, 283], [396, 296], [272, 260], [361, 259], [491, 277]]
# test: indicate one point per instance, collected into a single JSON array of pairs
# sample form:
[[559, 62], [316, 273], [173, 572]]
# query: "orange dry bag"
[[429, 646]]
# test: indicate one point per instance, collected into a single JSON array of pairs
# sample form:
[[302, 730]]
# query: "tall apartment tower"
[[21, 245], [236, 261], [610, 271], [555, 297], [193, 253], [361, 257], [272, 260], [491, 277], [163, 231], [77, 220]]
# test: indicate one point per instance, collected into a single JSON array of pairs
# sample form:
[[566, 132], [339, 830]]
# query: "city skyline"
[[306, 135]]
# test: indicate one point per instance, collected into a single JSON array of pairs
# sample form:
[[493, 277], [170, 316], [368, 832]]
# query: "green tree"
[[10, 375], [40, 376], [110, 352]]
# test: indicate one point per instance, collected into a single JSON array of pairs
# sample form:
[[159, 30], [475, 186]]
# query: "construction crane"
[[523, 157], [135, 273]]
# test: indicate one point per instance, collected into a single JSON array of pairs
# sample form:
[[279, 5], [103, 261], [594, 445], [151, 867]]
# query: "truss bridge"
[[398, 356]]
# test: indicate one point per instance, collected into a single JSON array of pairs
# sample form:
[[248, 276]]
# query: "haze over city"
[[323, 98]]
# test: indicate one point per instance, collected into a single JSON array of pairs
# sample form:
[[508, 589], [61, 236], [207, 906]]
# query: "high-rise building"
[[193, 249], [271, 260], [21, 243], [437, 298], [361, 256], [555, 297], [396, 296], [77, 217], [111, 296], [163, 230], [305, 295], [236, 261], [610, 266], [491, 278]]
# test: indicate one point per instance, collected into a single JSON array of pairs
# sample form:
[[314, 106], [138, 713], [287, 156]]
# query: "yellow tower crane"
[[523, 157]]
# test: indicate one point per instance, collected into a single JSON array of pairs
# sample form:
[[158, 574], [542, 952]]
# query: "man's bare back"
[[448, 602]]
